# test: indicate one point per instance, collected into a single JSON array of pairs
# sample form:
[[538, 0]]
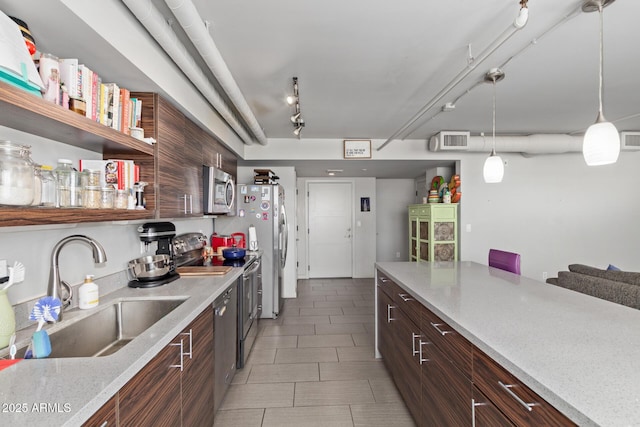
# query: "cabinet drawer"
[[517, 401], [405, 301], [485, 413], [453, 345]]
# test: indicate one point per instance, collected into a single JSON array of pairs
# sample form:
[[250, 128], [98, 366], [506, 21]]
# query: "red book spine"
[[126, 112], [121, 184], [95, 89], [136, 173]]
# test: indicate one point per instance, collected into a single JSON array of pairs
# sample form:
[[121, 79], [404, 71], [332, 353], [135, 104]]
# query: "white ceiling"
[[365, 68]]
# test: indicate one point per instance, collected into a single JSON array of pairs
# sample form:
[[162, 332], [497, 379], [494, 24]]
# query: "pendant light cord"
[[493, 147], [601, 84]]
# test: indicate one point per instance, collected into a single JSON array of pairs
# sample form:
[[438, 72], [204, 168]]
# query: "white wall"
[[553, 210], [392, 225], [364, 235]]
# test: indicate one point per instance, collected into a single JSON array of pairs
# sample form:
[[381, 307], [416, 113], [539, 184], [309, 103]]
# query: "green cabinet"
[[433, 232]]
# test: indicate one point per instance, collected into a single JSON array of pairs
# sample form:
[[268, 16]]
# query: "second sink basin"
[[108, 330]]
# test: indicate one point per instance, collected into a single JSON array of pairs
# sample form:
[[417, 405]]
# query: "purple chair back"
[[503, 260]]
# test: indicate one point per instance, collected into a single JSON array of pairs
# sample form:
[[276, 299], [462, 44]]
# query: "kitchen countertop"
[[67, 391], [580, 353]]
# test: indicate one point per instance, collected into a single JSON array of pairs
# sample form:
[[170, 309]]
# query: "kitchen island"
[[67, 391], [579, 353]]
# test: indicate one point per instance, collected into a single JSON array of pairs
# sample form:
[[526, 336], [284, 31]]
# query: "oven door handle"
[[254, 268]]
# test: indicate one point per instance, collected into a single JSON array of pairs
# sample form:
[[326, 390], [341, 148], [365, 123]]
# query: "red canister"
[[219, 240]]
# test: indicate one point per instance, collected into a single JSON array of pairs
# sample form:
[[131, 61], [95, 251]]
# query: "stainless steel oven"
[[249, 306]]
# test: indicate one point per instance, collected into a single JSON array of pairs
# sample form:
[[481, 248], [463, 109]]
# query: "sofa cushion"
[[618, 292], [629, 277]]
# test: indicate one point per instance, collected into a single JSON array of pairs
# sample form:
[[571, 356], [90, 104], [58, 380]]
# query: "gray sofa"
[[621, 287]]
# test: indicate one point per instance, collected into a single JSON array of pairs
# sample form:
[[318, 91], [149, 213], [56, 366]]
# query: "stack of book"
[[265, 176]]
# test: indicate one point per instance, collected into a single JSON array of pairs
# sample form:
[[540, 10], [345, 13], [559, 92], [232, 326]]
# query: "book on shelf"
[[126, 173], [108, 170], [112, 105], [103, 101], [95, 96], [86, 87], [125, 107], [69, 76], [138, 114]]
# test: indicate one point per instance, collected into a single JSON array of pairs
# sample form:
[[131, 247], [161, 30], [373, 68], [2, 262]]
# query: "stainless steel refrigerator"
[[263, 207]]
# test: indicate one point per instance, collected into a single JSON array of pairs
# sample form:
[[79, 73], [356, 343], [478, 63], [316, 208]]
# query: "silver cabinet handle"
[[104, 424], [473, 411], [422, 359], [413, 343], [190, 333], [443, 333], [507, 388], [181, 365], [190, 203], [406, 297], [389, 307], [384, 279]]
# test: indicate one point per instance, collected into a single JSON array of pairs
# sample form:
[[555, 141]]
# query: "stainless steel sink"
[[110, 329]]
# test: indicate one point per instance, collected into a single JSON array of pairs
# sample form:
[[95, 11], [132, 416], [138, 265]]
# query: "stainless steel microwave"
[[219, 191]]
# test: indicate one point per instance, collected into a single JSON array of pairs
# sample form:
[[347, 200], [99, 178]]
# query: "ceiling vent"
[[449, 141], [630, 141]]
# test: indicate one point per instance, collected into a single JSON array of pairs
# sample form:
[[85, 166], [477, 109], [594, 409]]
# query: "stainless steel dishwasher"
[[225, 332]]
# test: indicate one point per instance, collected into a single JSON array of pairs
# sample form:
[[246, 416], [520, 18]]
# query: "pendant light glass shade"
[[601, 145], [493, 170]]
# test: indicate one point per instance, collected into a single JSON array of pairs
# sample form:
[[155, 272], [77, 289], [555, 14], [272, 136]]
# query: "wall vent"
[[630, 141], [449, 141]]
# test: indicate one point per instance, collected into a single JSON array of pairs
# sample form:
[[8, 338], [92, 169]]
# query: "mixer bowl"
[[150, 267]]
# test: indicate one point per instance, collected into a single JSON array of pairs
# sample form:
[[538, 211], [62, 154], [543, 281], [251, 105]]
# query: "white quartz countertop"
[[580, 353], [67, 391]]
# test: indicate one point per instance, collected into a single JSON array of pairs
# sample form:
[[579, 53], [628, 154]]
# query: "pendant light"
[[493, 170], [601, 145]]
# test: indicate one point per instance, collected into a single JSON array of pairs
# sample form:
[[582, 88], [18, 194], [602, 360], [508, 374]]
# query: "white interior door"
[[330, 221]]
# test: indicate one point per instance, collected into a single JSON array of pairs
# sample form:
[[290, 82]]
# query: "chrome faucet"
[[54, 288]]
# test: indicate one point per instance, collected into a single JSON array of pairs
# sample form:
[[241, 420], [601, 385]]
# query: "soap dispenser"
[[88, 296]]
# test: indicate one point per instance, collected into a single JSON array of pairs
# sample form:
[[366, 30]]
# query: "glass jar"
[[90, 178], [48, 181], [17, 175], [37, 186], [69, 185], [107, 197], [122, 199], [91, 197]]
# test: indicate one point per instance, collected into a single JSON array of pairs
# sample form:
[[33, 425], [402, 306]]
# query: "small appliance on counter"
[[159, 269], [188, 249]]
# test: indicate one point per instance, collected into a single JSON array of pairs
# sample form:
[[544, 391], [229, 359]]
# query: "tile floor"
[[315, 365]]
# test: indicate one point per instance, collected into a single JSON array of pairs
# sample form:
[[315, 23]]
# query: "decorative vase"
[[7, 320]]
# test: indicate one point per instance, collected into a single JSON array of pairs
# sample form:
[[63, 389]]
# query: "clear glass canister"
[[90, 178], [17, 174], [122, 197], [91, 197], [107, 197], [69, 185], [48, 182]]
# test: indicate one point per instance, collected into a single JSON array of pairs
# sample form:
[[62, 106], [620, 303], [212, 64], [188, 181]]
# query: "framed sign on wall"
[[357, 148]]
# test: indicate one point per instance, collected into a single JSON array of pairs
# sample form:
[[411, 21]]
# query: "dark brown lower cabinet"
[[197, 376], [174, 389], [443, 378], [106, 416], [446, 392], [485, 413], [152, 397]]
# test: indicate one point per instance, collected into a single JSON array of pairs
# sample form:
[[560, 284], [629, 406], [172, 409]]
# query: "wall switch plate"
[[468, 228], [397, 254], [3, 268], [544, 275]]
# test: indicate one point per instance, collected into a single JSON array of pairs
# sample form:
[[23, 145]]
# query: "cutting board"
[[210, 270]]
